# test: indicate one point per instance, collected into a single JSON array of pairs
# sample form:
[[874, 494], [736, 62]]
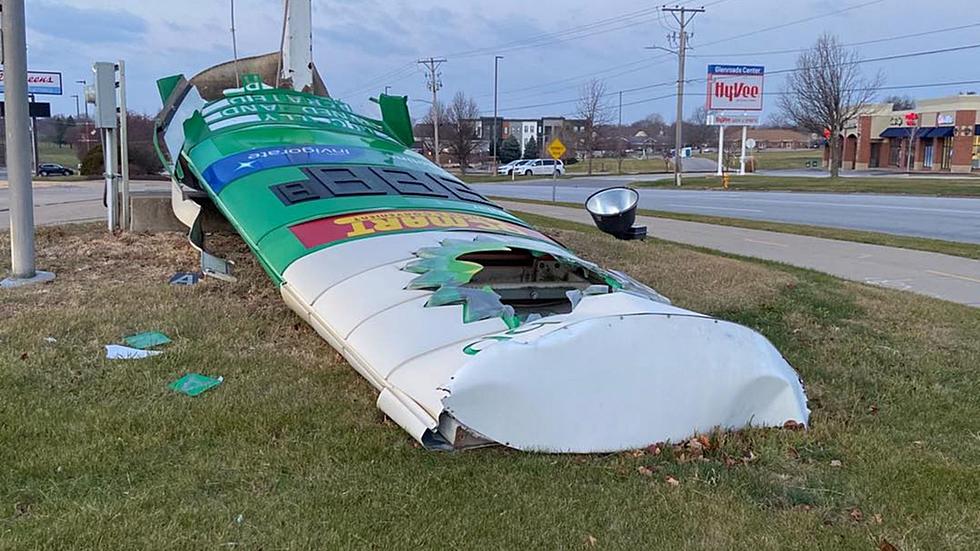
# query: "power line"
[[776, 72]]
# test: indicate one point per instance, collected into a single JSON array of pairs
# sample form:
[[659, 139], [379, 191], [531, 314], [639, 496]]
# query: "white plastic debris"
[[118, 352]]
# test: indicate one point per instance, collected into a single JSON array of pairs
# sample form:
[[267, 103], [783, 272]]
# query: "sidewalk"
[[942, 276]]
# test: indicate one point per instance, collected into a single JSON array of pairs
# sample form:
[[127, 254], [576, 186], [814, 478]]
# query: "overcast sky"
[[362, 45]]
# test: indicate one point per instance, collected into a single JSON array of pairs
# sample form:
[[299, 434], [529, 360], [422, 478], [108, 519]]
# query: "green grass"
[[955, 248], [953, 187], [774, 159], [653, 165], [290, 452], [50, 153]]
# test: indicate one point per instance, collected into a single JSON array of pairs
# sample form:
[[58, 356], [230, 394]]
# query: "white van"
[[541, 167]]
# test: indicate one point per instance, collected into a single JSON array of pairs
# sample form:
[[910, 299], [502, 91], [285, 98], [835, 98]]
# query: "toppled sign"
[[475, 328]]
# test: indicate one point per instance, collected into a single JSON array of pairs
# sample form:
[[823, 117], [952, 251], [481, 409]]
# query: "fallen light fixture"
[[614, 210]]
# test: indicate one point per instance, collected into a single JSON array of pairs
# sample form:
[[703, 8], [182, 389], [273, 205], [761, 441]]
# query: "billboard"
[[735, 87], [40, 82]]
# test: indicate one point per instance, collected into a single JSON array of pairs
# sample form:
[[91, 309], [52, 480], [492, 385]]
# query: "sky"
[[550, 48]]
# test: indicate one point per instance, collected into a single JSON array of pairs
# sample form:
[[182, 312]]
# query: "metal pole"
[[432, 64], [78, 109], [84, 101], [493, 138], [123, 145], [34, 154], [620, 129], [109, 157], [721, 149], [741, 166], [18, 155]]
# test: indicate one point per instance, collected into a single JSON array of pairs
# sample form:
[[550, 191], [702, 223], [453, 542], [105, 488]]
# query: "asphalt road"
[[951, 219]]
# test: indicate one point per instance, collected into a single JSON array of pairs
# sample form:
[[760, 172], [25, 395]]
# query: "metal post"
[[18, 153], [297, 54], [554, 183], [493, 138], [721, 149], [35, 157], [109, 157], [123, 146], [620, 129], [78, 112], [741, 166]]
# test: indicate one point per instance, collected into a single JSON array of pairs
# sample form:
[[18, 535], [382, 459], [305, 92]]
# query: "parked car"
[[541, 167], [53, 169], [509, 167]]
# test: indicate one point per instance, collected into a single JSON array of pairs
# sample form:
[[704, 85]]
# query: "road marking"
[[710, 208], [954, 276], [766, 242]]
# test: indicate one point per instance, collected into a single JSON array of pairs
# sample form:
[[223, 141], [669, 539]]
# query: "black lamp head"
[[614, 210]]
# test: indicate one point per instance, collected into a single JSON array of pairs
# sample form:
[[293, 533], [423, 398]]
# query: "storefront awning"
[[936, 132], [903, 132]]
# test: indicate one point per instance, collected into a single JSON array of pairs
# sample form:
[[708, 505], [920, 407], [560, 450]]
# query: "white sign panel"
[[735, 87], [40, 82], [721, 119]]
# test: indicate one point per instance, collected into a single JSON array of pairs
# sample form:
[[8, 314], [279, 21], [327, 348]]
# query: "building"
[[939, 135], [541, 130]]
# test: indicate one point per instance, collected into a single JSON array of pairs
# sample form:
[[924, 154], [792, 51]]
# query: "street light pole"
[[84, 83], [23, 270], [493, 138], [78, 112]]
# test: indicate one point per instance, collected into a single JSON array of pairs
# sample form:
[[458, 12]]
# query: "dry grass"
[[290, 452]]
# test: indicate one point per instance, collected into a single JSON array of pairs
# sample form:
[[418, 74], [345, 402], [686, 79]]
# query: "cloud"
[[89, 25]]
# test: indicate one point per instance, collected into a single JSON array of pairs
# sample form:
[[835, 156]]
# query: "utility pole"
[[23, 270], [432, 64], [620, 131], [84, 83], [683, 16], [493, 138]]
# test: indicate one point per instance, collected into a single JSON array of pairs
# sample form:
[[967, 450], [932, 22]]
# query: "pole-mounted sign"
[[735, 87], [40, 83]]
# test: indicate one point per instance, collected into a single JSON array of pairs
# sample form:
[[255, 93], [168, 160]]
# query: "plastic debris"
[[118, 352], [185, 278], [147, 339], [50, 339], [193, 384]]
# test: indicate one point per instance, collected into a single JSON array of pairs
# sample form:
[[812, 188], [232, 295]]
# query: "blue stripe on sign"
[[223, 172]]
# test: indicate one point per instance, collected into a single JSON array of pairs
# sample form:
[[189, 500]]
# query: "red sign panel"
[[368, 224]]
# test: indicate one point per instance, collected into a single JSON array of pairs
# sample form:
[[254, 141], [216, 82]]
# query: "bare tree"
[[462, 115], [827, 90], [595, 111], [900, 103]]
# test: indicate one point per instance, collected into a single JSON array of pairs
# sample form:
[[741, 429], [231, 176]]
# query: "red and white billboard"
[[735, 87]]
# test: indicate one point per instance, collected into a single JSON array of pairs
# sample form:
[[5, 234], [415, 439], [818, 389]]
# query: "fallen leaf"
[[705, 441], [792, 453], [636, 453], [873, 409], [23, 356], [645, 471], [590, 540], [835, 463], [856, 515], [885, 545], [877, 518], [672, 481], [748, 457]]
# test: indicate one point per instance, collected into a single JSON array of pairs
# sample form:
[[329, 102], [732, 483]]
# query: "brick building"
[[939, 135]]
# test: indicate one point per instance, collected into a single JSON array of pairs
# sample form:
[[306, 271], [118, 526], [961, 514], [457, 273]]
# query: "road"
[[60, 202], [950, 219]]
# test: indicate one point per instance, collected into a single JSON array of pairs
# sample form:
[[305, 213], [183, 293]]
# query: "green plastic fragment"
[[146, 340], [193, 384], [478, 304]]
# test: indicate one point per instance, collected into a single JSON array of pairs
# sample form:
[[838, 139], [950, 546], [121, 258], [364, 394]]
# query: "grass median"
[[954, 248], [291, 452]]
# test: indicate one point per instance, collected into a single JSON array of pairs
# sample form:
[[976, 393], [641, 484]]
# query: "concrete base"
[[14, 282], [151, 212]]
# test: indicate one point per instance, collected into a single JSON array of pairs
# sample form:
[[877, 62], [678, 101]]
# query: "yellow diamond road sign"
[[556, 149]]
